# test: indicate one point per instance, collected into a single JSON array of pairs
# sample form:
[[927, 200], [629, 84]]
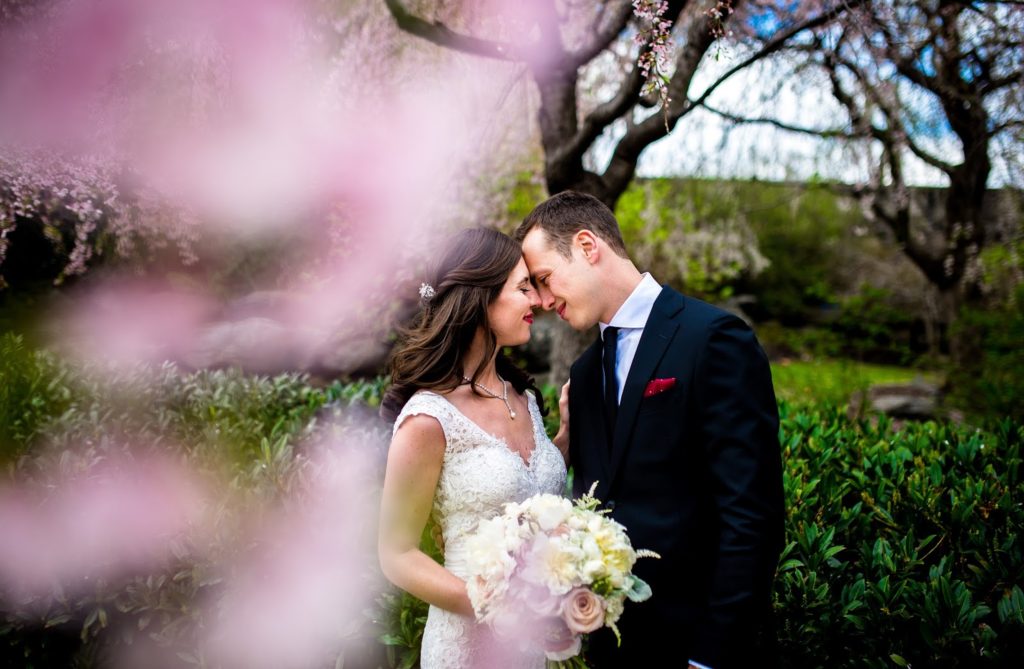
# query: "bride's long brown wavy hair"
[[429, 353]]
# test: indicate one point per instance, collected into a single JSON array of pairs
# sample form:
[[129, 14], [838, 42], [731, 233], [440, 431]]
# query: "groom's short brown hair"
[[563, 215]]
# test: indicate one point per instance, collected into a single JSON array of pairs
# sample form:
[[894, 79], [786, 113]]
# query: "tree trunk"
[[567, 345]]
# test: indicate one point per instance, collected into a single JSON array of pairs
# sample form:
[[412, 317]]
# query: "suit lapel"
[[658, 334]]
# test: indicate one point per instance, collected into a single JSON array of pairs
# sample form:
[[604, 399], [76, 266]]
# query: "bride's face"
[[511, 313]]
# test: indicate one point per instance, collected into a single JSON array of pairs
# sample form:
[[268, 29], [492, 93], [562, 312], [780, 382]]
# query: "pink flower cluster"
[[718, 15], [654, 38], [85, 193]]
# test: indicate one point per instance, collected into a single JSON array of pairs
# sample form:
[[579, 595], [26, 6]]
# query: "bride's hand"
[[561, 439]]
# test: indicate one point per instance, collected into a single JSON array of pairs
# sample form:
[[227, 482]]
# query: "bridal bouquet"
[[547, 560]]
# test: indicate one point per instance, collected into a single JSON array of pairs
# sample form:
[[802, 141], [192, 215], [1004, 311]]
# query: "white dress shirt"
[[630, 319]]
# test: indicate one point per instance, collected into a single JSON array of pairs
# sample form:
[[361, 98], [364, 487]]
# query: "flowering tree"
[[630, 55], [612, 76], [62, 215], [265, 138], [932, 84]]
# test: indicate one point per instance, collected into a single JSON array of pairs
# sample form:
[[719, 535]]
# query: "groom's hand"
[[561, 439]]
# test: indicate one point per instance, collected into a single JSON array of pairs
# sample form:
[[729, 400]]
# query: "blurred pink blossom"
[[122, 321], [295, 597], [242, 116], [112, 521]]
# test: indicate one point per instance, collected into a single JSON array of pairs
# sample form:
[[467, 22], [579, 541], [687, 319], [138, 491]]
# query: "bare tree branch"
[[602, 116], [938, 163], [623, 164], [614, 25], [896, 132], [1001, 82], [776, 45], [814, 132], [1002, 127], [441, 35]]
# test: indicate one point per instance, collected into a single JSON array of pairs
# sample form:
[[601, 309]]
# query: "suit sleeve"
[[739, 427]]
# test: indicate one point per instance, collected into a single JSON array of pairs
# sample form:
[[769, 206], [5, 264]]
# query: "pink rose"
[[583, 611], [560, 643]]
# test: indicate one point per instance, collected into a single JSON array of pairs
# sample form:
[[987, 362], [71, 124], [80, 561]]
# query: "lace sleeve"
[[428, 404]]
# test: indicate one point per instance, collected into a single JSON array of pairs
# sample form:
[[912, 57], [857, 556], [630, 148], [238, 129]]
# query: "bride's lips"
[[561, 312], [528, 318]]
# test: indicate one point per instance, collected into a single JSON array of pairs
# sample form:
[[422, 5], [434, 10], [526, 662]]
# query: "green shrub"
[[800, 230], [872, 329], [904, 546], [33, 387], [687, 233], [991, 383], [988, 379], [245, 430], [803, 343]]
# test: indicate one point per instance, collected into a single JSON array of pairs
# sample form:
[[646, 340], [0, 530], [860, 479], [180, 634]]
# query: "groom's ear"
[[587, 243]]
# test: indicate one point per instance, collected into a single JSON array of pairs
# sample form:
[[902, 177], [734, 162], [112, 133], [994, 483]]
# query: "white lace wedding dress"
[[479, 475]]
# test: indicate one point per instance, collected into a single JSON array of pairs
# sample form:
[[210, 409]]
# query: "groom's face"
[[565, 285]]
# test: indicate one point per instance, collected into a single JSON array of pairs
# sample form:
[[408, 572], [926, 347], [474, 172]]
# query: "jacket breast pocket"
[[664, 401]]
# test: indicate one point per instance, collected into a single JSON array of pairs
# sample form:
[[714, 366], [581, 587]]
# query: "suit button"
[[610, 505]]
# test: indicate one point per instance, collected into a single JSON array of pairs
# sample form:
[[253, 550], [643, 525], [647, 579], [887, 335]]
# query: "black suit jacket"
[[693, 473]]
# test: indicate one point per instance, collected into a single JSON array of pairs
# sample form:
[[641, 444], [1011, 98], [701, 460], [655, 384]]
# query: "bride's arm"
[[413, 469]]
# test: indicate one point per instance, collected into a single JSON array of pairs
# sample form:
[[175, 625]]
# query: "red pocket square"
[[658, 386]]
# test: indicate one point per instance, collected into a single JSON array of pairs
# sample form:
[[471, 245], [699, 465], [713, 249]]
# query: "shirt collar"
[[636, 309]]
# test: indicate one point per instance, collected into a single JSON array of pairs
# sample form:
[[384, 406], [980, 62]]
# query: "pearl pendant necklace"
[[503, 396]]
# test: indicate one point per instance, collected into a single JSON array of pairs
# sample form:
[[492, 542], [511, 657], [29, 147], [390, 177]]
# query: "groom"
[[673, 414]]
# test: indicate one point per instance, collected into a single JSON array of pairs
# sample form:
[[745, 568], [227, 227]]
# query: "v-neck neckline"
[[528, 461]]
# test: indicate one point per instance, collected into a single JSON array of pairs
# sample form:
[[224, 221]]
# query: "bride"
[[468, 437]]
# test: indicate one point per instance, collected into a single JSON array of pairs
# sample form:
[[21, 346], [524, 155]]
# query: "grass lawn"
[[835, 381]]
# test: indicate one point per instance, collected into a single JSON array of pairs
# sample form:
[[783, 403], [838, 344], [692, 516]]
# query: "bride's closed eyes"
[[525, 285]]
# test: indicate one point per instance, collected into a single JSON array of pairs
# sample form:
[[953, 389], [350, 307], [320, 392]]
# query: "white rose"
[[550, 511]]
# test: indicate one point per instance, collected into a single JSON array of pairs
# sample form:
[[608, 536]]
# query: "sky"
[[706, 145]]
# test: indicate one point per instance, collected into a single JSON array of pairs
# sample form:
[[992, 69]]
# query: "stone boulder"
[[918, 400]]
